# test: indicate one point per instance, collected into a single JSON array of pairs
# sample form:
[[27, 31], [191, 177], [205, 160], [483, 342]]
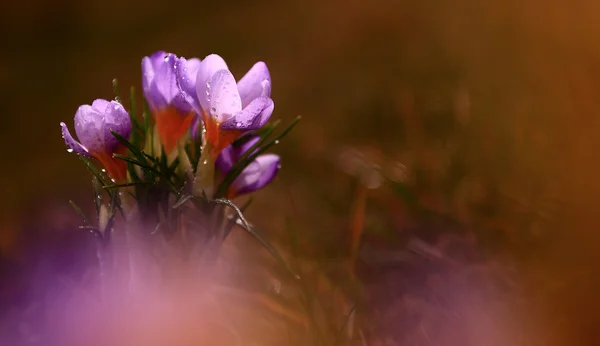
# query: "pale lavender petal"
[[73, 145], [149, 65], [257, 175], [187, 71], [256, 83], [116, 119], [100, 105], [165, 83], [208, 67], [253, 117], [231, 154], [225, 100], [88, 127]]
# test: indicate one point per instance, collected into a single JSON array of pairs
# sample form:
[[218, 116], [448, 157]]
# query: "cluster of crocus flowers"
[[93, 126], [185, 95]]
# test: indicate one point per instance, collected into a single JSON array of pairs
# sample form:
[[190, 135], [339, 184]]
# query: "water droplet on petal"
[[213, 111], [69, 150], [166, 57]]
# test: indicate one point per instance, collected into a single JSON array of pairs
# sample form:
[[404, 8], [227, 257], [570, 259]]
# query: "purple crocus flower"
[[172, 108], [92, 126], [255, 176], [228, 108]]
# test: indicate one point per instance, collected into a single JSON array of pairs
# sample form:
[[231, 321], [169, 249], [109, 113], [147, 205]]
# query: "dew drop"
[[167, 57], [277, 141], [213, 111], [69, 150], [103, 170]]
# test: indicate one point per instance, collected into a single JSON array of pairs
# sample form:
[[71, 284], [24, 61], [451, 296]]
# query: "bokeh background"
[[490, 109]]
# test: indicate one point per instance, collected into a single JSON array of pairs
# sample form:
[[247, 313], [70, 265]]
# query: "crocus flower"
[[255, 176], [171, 107], [228, 109], [92, 126]]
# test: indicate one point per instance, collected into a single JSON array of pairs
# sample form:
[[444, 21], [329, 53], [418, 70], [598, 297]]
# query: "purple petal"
[[116, 119], [253, 117], [196, 128], [225, 100], [88, 127], [208, 67], [100, 105], [149, 65], [256, 83], [231, 154], [257, 175], [73, 145], [165, 84], [187, 71]]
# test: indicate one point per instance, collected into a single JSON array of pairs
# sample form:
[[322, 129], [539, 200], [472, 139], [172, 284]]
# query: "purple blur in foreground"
[[255, 176], [228, 108], [92, 126], [172, 108]]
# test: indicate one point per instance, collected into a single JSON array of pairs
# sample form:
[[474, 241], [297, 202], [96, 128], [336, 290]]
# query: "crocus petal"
[[196, 128], [100, 105], [231, 154], [149, 65], [89, 124], [73, 145], [165, 83], [187, 71], [208, 67], [254, 116], [116, 119], [257, 175], [256, 83], [224, 97]]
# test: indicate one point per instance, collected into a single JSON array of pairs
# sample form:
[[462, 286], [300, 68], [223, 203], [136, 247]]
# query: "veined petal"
[[256, 83], [208, 67], [257, 175], [254, 116], [89, 124], [116, 119], [187, 71], [224, 97], [165, 82], [149, 65], [231, 154], [73, 145]]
